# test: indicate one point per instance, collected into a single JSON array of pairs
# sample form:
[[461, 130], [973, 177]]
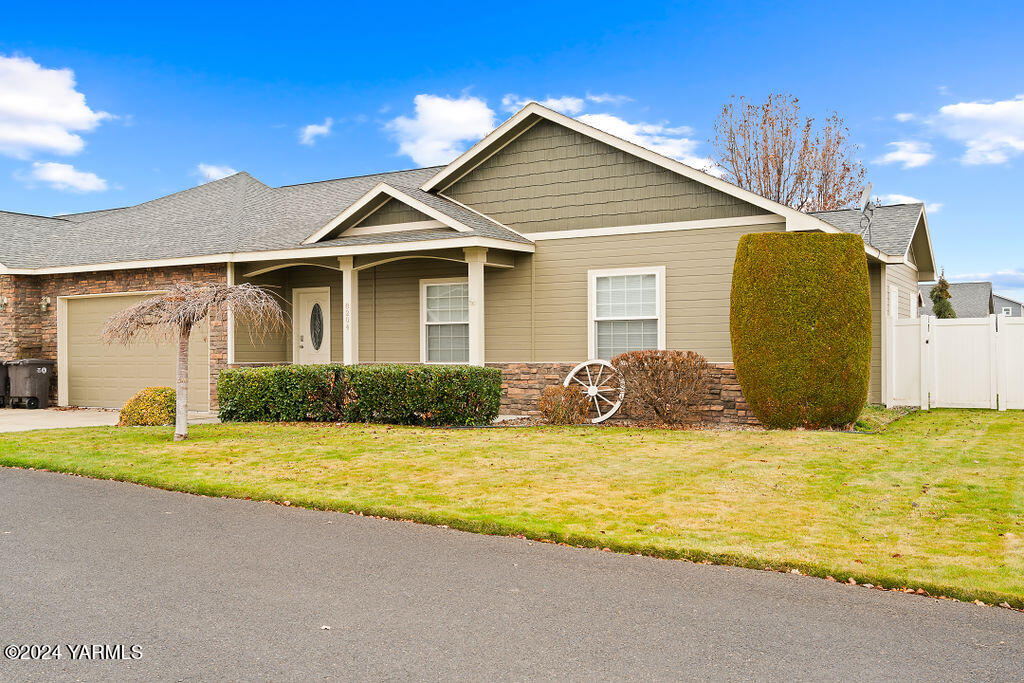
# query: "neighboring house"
[[1003, 305], [972, 300], [547, 243]]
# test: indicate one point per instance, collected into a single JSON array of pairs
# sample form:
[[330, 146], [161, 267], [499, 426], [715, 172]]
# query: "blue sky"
[[933, 94]]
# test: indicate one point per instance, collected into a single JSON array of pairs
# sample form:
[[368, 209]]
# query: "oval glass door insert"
[[316, 327]]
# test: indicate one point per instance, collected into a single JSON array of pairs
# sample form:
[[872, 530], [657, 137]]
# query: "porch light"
[[3, 303], [44, 303]]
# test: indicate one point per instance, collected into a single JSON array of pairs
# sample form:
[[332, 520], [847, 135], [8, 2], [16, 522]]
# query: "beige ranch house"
[[547, 243]]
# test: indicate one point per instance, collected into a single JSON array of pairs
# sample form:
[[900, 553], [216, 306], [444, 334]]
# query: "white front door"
[[311, 325]]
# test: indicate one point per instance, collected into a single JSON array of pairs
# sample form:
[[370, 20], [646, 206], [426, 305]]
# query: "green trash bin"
[[30, 382]]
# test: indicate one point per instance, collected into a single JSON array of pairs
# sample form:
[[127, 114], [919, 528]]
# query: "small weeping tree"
[[173, 315]]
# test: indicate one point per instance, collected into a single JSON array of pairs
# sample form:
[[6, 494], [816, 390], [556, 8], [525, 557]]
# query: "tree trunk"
[[181, 386]]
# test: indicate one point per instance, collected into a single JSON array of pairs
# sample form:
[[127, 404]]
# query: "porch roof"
[[234, 215]]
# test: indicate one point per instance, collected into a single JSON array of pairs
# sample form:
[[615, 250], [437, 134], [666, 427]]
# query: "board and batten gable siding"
[[553, 178], [393, 212]]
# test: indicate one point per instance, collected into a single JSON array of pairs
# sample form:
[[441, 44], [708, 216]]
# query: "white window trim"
[[423, 316], [894, 293], [1007, 311], [592, 319]]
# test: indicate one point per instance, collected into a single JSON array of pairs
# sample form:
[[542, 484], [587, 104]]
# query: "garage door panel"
[[106, 375]]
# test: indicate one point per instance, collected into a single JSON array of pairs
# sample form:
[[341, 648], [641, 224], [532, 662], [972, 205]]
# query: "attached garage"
[[96, 374]]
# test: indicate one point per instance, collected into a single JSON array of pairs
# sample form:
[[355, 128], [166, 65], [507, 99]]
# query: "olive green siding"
[[553, 178], [268, 347], [875, 280], [904, 278], [393, 212], [393, 319]]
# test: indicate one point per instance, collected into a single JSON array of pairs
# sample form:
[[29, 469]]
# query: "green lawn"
[[935, 501]]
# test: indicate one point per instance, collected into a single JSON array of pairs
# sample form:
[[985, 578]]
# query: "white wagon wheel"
[[602, 385]]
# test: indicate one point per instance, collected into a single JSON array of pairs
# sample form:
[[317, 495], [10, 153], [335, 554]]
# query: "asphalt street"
[[208, 588]]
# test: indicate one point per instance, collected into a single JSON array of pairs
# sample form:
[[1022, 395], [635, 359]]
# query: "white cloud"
[[608, 98], [441, 127], [40, 109], [1008, 279], [566, 104], [930, 207], [210, 172], [904, 116], [63, 177], [991, 131], [659, 137], [309, 134], [910, 153]]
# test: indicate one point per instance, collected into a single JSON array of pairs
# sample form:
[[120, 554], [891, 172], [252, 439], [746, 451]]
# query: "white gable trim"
[[795, 220], [394, 227], [923, 216], [375, 193]]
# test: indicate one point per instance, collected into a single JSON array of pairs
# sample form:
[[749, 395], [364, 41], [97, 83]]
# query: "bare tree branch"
[[173, 315], [769, 149]]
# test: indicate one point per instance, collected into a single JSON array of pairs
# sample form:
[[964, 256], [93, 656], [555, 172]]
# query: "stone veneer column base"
[[522, 384]]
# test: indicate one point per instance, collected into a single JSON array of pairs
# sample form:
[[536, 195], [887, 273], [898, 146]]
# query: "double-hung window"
[[627, 310], [444, 333]]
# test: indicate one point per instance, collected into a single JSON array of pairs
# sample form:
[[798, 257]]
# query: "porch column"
[[475, 257], [349, 310]]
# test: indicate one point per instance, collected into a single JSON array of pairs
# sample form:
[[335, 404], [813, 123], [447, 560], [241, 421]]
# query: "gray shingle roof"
[[230, 215], [969, 299], [892, 227]]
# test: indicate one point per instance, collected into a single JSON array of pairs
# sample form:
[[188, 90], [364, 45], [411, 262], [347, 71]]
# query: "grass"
[[936, 501]]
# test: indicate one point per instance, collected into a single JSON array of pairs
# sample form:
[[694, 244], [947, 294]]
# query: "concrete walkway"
[[219, 589], [23, 420]]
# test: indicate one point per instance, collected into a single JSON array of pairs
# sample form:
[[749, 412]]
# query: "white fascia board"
[[928, 236], [308, 252], [375, 193], [795, 220]]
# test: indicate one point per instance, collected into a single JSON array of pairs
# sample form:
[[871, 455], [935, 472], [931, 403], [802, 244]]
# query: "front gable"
[[552, 178], [385, 209]]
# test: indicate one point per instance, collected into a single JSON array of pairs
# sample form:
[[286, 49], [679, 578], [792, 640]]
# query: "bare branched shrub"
[[663, 387], [173, 314], [564, 405]]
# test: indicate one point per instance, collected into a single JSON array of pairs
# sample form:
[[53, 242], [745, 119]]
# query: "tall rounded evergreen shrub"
[[800, 323]]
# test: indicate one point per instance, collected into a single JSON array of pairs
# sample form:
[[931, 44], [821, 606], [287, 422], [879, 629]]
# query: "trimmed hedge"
[[432, 395], [150, 407], [800, 323]]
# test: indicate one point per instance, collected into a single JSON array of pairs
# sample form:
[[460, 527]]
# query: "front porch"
[[400, 307]]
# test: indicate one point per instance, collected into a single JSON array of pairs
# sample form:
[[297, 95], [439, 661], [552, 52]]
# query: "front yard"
[[936, 501]]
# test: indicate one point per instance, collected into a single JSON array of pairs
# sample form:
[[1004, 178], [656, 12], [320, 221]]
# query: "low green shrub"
[[151, 407], [282, 393], [561, 405], [433, 395]]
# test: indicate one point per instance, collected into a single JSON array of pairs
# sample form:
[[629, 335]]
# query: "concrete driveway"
[[221, 589], [23, 420]]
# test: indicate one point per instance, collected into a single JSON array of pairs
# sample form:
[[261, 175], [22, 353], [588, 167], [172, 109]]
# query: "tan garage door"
[[106, 375]]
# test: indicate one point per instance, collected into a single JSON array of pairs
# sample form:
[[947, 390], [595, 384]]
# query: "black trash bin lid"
[[31, 361]]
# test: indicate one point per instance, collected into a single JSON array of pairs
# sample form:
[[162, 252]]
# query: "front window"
[[1007, 310], [446, 322], [627, 311]]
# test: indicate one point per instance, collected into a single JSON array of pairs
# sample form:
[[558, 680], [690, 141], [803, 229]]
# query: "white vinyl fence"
[[959, 363]]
